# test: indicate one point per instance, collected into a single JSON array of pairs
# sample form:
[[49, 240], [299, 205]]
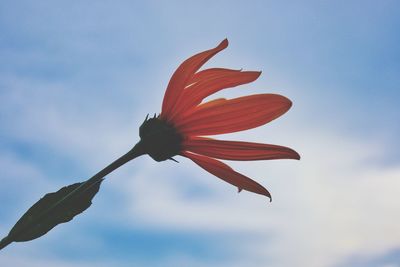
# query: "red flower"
[[184, 119]]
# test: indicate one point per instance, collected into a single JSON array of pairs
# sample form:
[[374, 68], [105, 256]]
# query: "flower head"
[[185, 120]]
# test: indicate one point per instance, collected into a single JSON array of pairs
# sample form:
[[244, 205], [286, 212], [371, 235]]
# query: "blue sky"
[[78, 77]]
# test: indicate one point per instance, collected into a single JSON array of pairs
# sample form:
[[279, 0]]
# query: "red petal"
[[210, 81], [210, 73], [226, 173], [234, 115], [214, 102], [183, 74], [234, 150]]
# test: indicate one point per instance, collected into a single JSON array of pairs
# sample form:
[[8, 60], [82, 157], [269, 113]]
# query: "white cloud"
[[332, 204]]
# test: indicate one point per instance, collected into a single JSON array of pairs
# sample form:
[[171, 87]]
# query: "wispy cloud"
[[327, 208], [78, 80]]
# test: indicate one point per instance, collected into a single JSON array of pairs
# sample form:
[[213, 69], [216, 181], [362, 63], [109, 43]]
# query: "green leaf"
[[53, 209]]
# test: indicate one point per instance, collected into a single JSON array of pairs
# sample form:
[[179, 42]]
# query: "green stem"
[[135, 152]]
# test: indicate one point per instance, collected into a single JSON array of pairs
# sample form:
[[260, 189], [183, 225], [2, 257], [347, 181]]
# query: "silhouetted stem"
[[136, 151], [5, 242]]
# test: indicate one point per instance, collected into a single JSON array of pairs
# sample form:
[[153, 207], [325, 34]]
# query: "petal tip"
[[257, 74], [224, 44], [269, 196], [294, 155], [266, 193], [287, 104], [287, 101]]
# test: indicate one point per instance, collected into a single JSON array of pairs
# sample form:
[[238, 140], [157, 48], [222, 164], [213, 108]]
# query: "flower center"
[[160, 139]]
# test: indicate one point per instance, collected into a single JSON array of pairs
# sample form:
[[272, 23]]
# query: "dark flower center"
[[159, 139]]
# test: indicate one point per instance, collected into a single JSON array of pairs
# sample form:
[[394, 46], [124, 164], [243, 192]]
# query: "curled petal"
[[234, 115], [226, 173], [210, 81], [234, 150], [183, 74]]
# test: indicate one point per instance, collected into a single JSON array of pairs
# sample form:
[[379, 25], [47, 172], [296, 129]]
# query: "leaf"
[[53, 209], [63, 205]]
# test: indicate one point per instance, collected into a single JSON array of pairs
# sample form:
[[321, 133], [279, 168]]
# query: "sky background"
[[77, 79]]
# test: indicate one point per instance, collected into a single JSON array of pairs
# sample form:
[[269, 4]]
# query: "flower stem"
[[5, 242], [135, 152]]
